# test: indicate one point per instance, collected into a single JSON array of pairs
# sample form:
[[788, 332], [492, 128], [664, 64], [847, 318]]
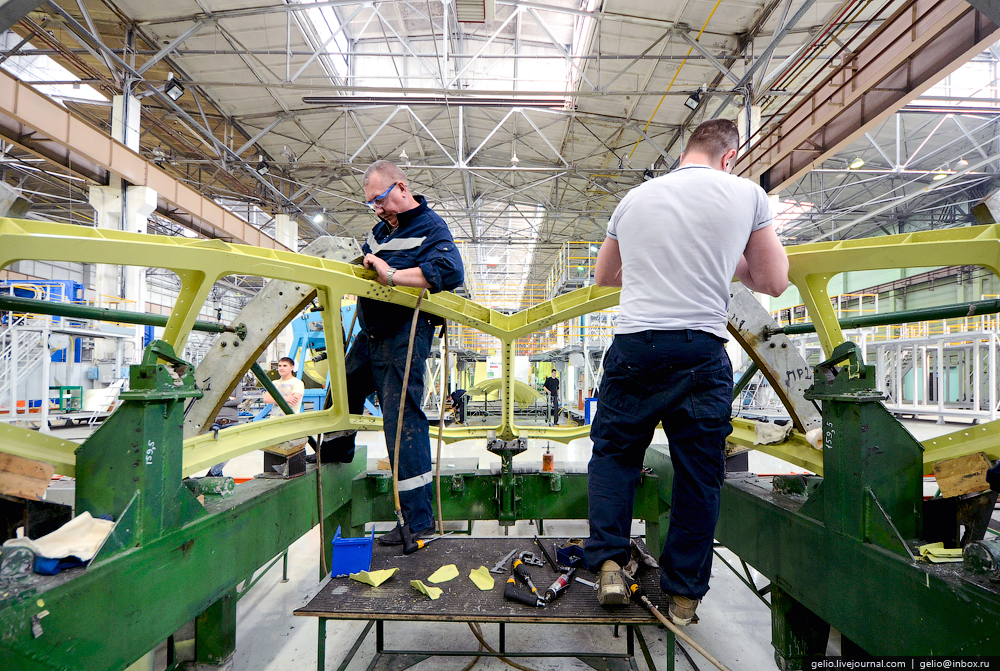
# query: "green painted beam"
[[145, 595], [902, 317], [74, 311]]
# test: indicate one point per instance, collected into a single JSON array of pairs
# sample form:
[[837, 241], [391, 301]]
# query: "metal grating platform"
[[461, 601]]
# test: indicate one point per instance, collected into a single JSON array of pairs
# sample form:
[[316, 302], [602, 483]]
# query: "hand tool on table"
[[512, 592], [555, 567], [530, 558], [424, 541], [521, 571], [559, 586], [638, 595], [499, 567]]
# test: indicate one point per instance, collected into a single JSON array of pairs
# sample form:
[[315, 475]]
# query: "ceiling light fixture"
[[514, 160], [856, 163], [404, 157], [938, 176], [693, 101], [262, 167], [962, 164], [318, 218], [173, 89], [647, 175]]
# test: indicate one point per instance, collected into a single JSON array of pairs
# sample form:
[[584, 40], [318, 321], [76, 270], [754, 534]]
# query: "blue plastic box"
[[351, 555]]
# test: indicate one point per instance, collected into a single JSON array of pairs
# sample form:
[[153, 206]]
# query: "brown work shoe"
[[682, 610], [611, 592]]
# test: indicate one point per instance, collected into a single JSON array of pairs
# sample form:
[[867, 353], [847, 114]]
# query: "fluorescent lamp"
[[451, 100], [856, 163]]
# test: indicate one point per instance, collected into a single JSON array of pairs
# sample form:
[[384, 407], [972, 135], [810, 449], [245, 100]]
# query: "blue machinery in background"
[[309, 338]]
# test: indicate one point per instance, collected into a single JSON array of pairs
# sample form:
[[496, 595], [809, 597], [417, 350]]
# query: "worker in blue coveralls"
[[674, 245], [410, 246]]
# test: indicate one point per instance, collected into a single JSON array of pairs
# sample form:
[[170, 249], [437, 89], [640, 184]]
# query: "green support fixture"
[[163, 538], [130, 468], [839, 551]]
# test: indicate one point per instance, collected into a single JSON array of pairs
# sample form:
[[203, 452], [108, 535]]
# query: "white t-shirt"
[[681, 236], [287, 388]]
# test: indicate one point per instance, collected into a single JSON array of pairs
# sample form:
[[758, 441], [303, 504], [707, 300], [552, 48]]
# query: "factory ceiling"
[[522, 121]]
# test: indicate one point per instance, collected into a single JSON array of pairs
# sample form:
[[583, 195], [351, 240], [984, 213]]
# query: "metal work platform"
[[462, 601]]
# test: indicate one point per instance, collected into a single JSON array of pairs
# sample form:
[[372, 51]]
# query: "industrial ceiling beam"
[[44, 128], [13, 11], [912, 50]]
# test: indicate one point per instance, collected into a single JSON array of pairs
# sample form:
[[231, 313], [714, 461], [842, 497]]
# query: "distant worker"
[[291, 388], [410, 246], [552, 391], [674, 245]]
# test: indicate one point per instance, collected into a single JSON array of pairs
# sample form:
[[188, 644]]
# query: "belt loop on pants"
[[649, 336], [690, 335]]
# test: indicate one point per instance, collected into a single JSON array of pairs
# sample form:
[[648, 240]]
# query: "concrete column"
[[747, 129], [124, 208], [107, 203], [286, 231], [125, 115], [140, 202]]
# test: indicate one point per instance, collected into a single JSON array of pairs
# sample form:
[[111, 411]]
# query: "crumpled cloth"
[[769, 434], [81, 537]]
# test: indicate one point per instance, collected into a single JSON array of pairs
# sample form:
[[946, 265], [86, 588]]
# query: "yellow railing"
[[574, 266]]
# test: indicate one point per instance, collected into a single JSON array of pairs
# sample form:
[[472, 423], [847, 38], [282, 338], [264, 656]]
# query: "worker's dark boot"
[[682, 610], [394, 537], [338, 447], [611, 592]]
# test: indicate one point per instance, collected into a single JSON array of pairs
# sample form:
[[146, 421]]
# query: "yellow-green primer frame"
[[200, 263]]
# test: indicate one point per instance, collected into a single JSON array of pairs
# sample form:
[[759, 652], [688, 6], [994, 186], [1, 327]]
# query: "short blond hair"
[[386, 169]]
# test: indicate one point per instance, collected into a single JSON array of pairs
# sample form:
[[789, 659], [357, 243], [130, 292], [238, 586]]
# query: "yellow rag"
[[432, 592], [374, 578], [444, 574], [481, 576]]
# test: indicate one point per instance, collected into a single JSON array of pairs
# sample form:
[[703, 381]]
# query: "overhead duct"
[[987, 211], [475, 11], [12, 204]]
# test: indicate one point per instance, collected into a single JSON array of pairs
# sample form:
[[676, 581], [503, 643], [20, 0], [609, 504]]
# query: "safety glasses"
[[378, 200]]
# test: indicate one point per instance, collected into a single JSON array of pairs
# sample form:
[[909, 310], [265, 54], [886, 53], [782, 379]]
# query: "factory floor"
[[735, 625]]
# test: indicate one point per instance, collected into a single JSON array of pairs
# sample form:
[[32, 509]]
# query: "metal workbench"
[[461, 601]]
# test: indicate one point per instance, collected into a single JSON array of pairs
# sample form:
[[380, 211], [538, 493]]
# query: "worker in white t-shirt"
[[674, 245], [291, 388]]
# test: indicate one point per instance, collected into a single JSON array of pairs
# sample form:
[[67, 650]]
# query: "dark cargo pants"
[[377, 365], [685, 380]]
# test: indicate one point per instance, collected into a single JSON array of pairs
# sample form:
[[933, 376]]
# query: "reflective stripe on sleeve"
[[396, 245]]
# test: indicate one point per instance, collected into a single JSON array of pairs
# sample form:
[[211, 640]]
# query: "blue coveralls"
[[377, 359]]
